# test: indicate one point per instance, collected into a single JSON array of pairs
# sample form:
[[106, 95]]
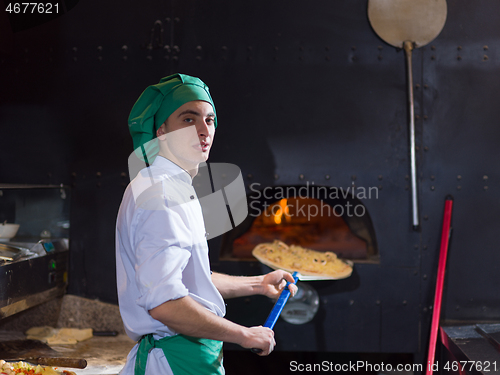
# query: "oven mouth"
[[315, 217]]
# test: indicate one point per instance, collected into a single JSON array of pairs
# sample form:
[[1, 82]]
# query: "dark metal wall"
[[301, 89]]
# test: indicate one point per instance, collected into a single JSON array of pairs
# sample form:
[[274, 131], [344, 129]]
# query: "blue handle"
[[278, 307], [280, 303]]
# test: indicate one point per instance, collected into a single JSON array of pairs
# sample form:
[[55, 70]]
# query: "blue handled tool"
[[278, 307]]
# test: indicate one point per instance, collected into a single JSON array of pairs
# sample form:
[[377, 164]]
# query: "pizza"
[[12, 368], [307, 262]]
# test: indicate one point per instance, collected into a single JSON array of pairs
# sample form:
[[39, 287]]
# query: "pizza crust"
[[323, 265]]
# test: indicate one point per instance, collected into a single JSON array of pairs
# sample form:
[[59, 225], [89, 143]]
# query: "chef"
[[170, 301]]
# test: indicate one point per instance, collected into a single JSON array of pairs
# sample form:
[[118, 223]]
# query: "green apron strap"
[[146, 344], [186, 355]]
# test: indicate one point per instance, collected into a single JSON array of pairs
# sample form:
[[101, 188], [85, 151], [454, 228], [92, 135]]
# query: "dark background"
[[301, 89]]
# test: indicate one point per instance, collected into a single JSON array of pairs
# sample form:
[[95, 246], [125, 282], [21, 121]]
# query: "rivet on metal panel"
[[486, 188], [176, 49], [433, 188], [380, 177], [224, 48], [417, 147], [424, 277], [459, 177], [124, 58], [404, 303], [426, 247], [276, 48], [433, 48], [301, 176], [380, 187], [123, 174], [149, 57], [198, 58], [485, 57], [433, 178], [426, 117], [425, 309], [99, 48], [167, 19], [353, 177], [426, 217], [459, 187], [249, 176], [380, 48], [379, 57], [457, 308], [377, 302], [459, 48], [276, 176], [327, 177], [167, 48], [485, 178], [426, 148], [124, 48], [351, 302], [459, 58], [433, 57], [416, 246], [98, 174], [407, 177], [353, 48], [485, 48], [177, 19], [407, 187], [198, 48], [417, 86], [75, 49], [417, 117], [426, 86]]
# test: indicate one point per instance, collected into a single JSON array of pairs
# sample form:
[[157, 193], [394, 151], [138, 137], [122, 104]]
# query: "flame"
[[283, 210]]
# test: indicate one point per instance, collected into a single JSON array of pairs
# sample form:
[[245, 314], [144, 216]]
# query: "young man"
[[169, 299]]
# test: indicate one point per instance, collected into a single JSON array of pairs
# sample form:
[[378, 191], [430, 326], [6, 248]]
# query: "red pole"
[[443, 252]]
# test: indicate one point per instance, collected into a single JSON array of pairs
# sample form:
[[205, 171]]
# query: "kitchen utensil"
[[53, 361], [278, 307], [8, 231], [436, 311], [408, 24]]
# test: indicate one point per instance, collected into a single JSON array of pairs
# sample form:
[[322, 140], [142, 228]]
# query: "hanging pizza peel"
[[408, 24]]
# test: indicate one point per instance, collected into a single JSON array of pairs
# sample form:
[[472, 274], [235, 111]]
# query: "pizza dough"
[[12, 368], [307, 262]]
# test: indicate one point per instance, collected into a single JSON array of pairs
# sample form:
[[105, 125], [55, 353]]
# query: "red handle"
[[443, 252]]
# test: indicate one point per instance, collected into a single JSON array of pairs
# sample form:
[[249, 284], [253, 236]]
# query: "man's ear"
[[160, 131]]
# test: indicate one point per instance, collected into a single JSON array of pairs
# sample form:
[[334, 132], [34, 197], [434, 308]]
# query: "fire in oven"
[[321, 218]]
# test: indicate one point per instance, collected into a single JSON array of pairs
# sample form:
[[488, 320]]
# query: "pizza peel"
[[408, 24]]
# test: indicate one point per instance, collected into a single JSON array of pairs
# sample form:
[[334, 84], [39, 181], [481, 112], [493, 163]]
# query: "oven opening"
[[314, 217]]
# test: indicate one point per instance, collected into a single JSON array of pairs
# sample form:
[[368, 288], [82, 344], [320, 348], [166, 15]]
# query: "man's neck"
[[191, 170]]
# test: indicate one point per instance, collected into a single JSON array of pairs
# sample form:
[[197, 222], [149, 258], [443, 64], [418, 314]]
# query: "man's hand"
[[274, 282], [259, 338]]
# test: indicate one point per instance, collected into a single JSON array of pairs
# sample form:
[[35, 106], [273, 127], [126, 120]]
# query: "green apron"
[[186, 355]]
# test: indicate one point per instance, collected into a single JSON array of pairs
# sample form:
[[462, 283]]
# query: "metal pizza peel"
[[408, 24]]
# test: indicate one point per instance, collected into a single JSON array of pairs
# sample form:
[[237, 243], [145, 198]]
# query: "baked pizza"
[[307, 262], [12, 368]]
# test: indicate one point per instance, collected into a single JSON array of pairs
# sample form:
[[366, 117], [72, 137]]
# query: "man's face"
[[188, 134]]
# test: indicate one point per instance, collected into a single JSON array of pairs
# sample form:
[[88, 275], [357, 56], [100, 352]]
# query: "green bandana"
[[157, 103]]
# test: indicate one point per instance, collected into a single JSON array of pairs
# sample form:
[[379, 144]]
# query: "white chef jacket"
[[161, 255]]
